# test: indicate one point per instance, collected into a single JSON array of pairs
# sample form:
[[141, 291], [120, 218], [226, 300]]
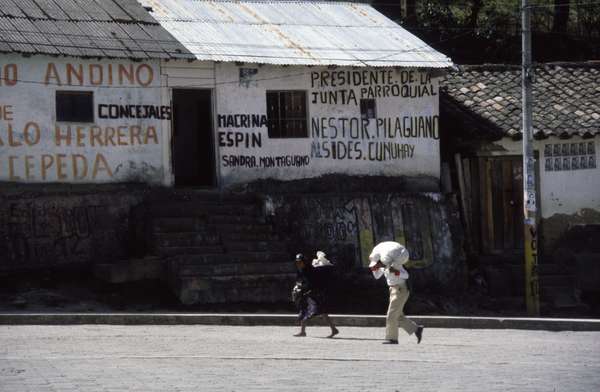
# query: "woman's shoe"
[[334, 331]]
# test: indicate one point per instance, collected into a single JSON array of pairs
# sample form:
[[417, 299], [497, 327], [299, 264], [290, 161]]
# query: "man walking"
[[388, 258]]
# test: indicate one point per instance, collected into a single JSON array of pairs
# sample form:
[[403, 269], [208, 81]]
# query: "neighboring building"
[[81, 93], [80, 103], [481, 110]]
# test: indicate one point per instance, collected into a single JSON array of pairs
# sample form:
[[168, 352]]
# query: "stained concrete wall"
[[48, 227], [569, 184], [123, 143], [402, 140], [347, 226]]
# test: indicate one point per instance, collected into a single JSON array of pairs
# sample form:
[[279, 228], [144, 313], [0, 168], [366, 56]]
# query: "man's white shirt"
[[391, 254], [391, 277]]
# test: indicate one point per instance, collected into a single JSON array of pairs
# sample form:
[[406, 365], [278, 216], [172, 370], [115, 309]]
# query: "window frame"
[[276, 131], [71, 116], [365, 114]]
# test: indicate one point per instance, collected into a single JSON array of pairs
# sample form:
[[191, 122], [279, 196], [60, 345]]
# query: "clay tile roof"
[[566, 97]]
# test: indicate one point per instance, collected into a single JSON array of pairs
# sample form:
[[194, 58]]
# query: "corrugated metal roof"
[[88, 28], [293, 32]]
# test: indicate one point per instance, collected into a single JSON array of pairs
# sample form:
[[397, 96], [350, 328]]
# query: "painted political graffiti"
[[284, 125], [80, 121]]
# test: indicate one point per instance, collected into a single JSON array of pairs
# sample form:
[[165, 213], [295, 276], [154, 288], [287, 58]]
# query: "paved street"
[[210, 358]]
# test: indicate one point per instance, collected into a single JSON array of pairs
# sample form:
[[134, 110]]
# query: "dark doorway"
[[503, 204], [193, 147]]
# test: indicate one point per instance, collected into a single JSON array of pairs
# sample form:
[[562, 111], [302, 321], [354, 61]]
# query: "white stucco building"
[[80, 93], [294, 90], [277, 90]]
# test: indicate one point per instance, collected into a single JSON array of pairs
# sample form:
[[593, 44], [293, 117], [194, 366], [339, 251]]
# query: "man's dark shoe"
[[390, 341], [419, 333]]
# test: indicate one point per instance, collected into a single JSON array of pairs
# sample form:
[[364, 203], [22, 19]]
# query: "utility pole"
[[532, 292]]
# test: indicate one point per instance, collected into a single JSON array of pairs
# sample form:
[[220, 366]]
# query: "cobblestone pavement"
[[222, 358]]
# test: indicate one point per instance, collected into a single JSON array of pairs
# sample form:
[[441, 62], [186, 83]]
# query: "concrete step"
[[201, 208], [235, 219], [237, 269], [261, 288], [549, 269], [179, 224], [549, 293], [233, 258], [187, 239], [172, 195], [255, 246], [168, 251], [557, 280], [131, 270], [210, 224], [232, 236], [242, 228]]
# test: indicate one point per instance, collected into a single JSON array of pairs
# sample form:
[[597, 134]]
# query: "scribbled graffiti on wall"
[[39, 232], [347, 229], [359, 223]]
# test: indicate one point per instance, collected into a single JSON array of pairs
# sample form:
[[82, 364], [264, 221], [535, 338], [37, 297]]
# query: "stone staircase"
[[558, 293], [558, 289], [219, 248]]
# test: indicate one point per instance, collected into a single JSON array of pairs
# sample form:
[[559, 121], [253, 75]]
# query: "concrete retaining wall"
[[43, 227], [347, 226]]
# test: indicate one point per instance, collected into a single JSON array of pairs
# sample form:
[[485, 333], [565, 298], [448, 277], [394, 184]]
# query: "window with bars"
[[367, 108], [286, 111]]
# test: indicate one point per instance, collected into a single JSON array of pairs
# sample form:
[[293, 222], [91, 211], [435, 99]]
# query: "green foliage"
[[477, 31]]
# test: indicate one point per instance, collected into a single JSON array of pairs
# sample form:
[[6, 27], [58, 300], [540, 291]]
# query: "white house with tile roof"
[[482, 123]]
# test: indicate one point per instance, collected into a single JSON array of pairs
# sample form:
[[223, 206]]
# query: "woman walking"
[[309, 294]]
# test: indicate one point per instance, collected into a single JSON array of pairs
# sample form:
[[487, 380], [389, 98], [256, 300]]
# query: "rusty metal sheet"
[[90, 28], [80, 40], [293, 32], [13, 38], [100, 34], [34, 37], [94, 10], [73, 10], [114, 11], [132, 7], [59, 38], [144, 41], [172, 47], [51, 9], [30, 9], [131, 45], [9, 8]]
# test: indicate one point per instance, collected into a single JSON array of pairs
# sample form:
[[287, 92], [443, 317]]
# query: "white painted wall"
[[563, 191], [569, 191], [123, 149], [421, 157]]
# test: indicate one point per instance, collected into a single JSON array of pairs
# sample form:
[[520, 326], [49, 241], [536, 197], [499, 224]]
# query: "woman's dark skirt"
[[310, 306]]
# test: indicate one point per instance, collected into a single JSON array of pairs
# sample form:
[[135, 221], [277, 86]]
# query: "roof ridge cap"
[[512, 67]]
